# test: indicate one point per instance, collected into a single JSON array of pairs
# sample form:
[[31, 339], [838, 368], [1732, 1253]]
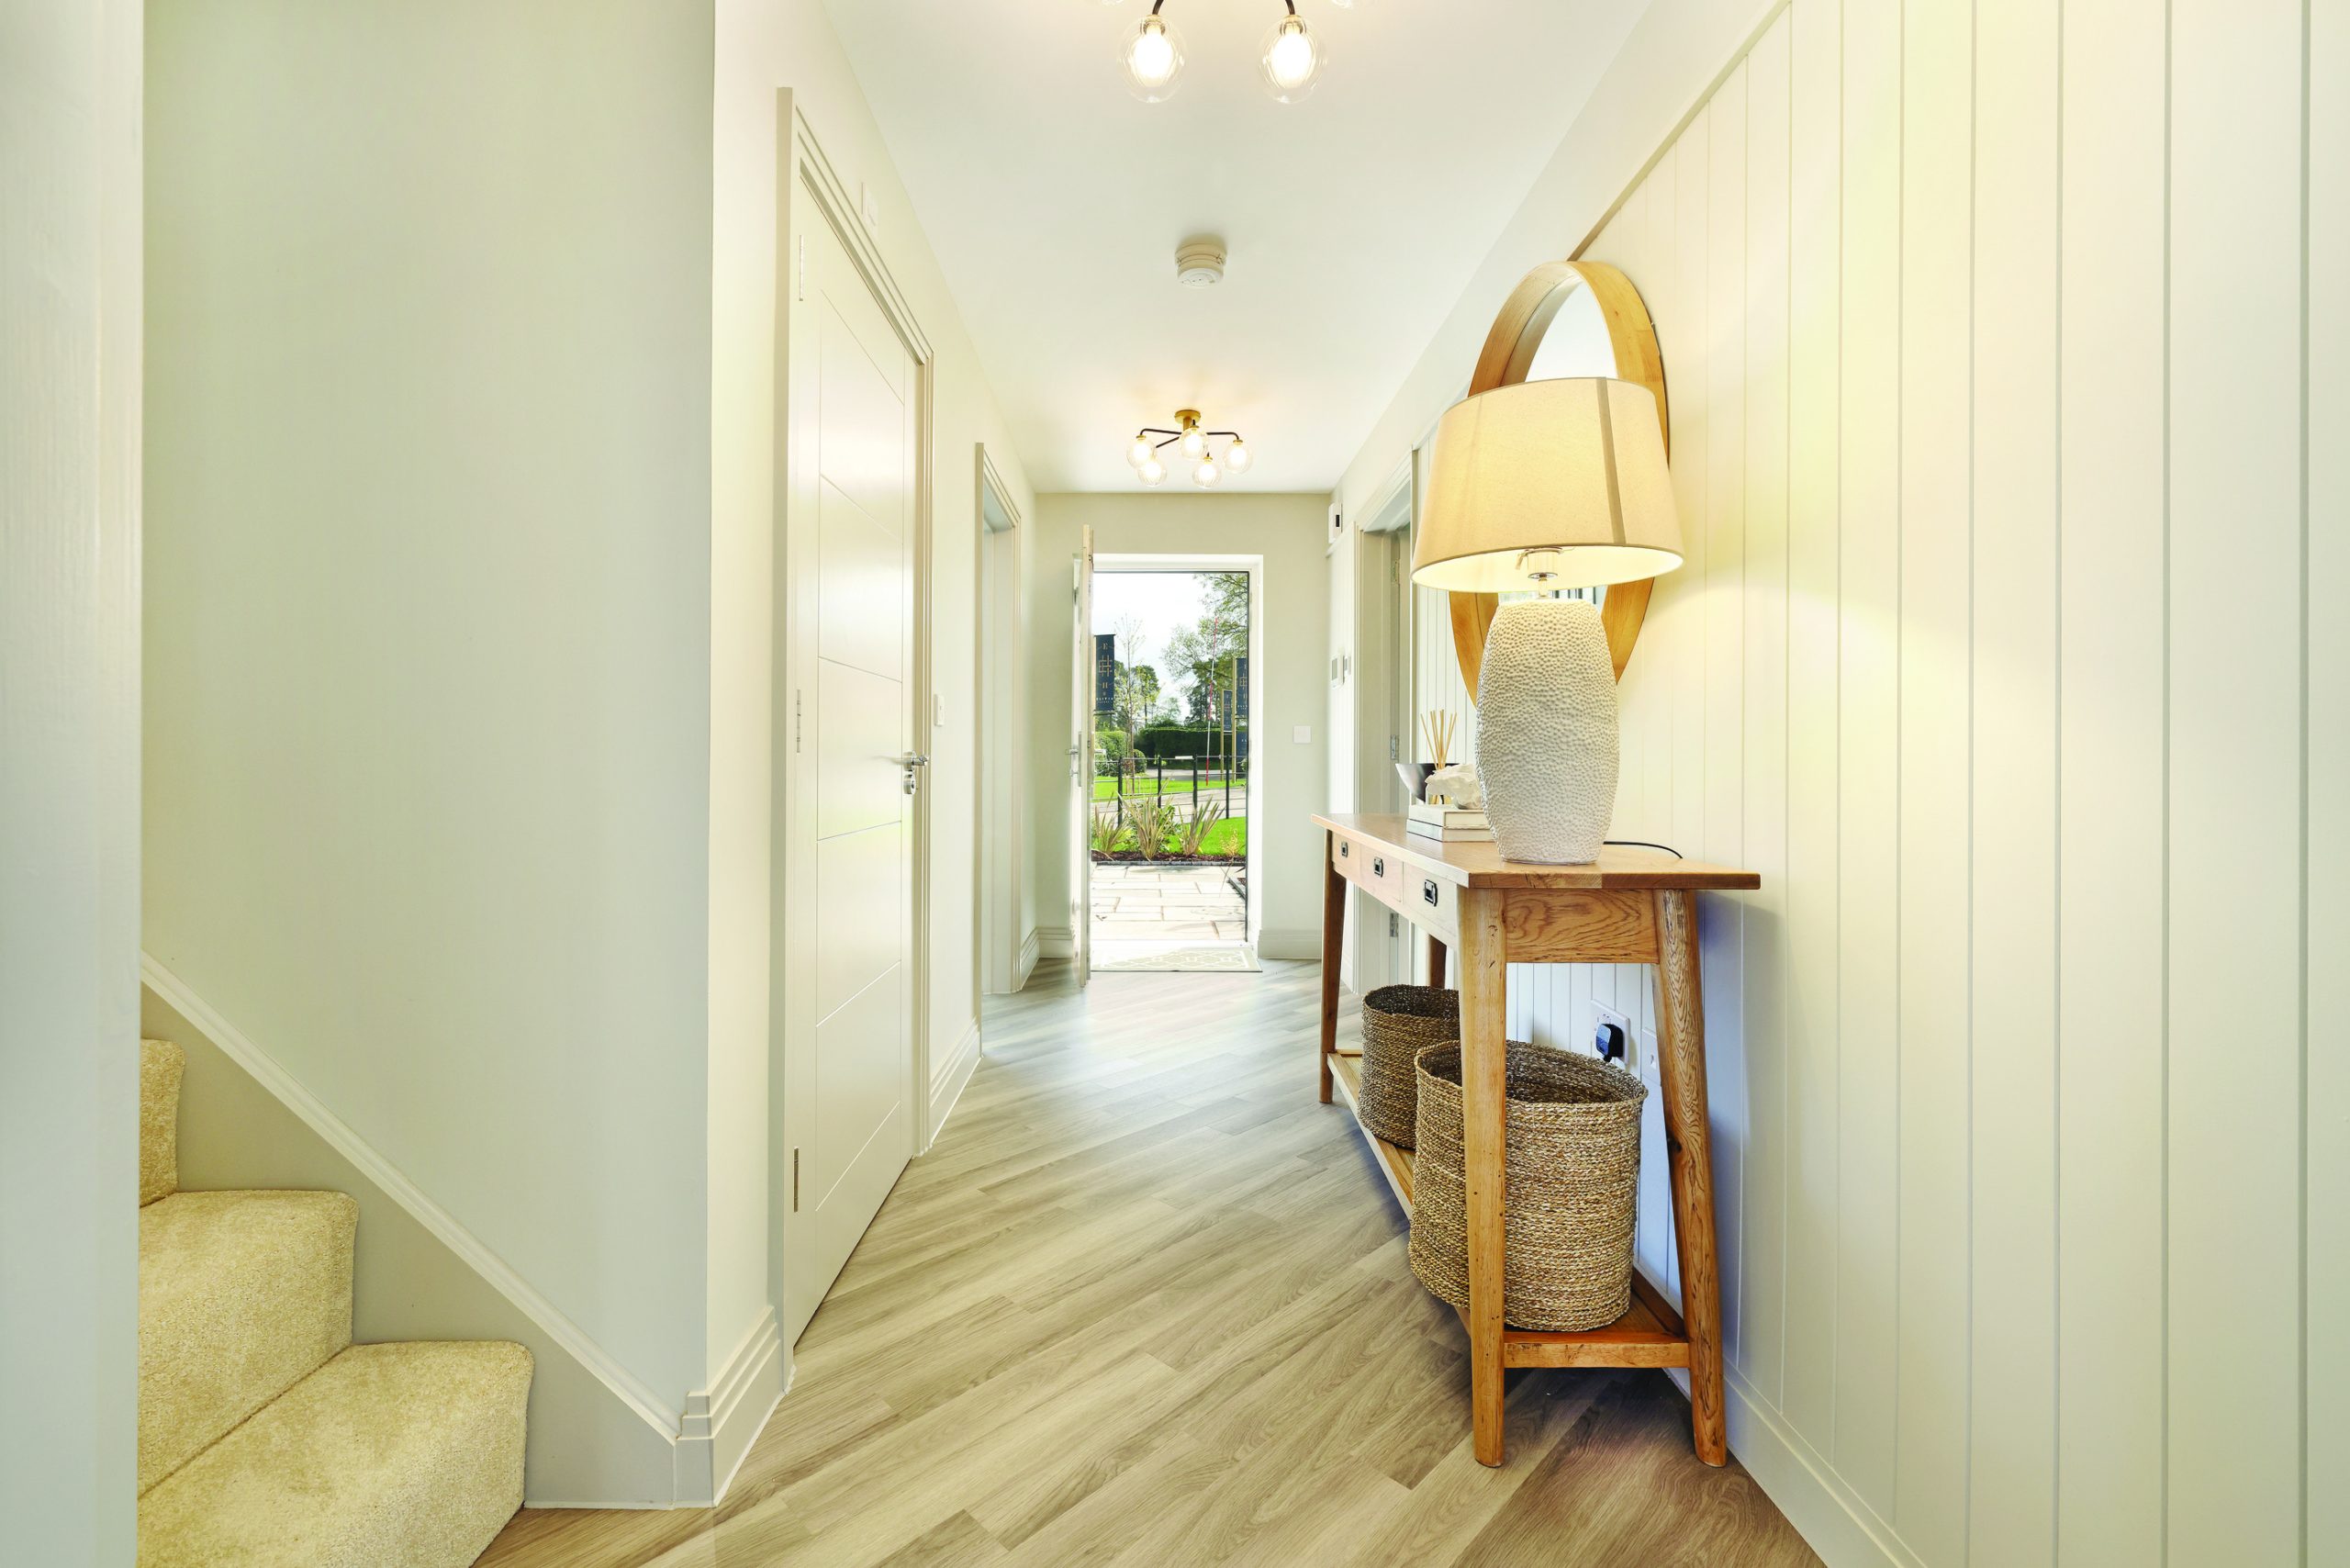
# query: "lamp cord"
[[1644, 844]]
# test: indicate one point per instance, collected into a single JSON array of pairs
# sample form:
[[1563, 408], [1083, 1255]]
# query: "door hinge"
[[1391, 923], [804, 266], [795, 1181], [1392, 755], [794, 730]]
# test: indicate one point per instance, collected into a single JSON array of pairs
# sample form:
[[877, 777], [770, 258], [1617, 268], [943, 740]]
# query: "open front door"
[[1081, 766]]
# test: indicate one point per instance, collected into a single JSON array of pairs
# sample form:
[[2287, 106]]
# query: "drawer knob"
[[1379, 865], [1428, 890]]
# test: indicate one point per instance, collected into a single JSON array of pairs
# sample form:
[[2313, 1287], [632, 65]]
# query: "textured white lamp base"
[[1546, 731]]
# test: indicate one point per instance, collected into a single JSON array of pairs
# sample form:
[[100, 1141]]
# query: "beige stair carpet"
[[161, 1063], [267, 1440], [241, 1295], [387, 1456]]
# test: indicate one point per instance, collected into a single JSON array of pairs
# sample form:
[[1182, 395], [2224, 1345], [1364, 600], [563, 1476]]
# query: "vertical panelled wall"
[[2011, 650]]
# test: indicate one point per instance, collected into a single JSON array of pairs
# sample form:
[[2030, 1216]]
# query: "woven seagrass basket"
[[1571, 1198], [1398, 1023]]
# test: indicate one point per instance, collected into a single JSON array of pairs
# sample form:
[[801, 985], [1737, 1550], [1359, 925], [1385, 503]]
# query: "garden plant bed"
[[1225, 842]]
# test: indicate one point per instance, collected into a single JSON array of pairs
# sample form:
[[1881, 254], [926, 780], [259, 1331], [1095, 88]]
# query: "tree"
[[1208, 654], [1135, 698]]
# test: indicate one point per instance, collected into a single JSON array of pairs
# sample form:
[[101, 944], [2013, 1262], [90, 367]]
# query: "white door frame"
[[1383, 950], [814, 194], [999, 803], [1259, 751]]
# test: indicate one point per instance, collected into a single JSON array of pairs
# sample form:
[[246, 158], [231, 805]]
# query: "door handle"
[[912, 780]]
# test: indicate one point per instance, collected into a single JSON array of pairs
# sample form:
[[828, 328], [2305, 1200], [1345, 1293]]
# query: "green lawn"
[[1227, 836], [1148, 784]]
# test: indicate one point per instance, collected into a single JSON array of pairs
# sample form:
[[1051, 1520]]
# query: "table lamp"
[[1537, 487]]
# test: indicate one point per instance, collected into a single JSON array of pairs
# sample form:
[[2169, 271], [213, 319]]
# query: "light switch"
[[938, 713], [1302, 735]]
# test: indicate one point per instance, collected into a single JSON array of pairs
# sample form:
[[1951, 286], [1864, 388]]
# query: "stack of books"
[[1445, 823]]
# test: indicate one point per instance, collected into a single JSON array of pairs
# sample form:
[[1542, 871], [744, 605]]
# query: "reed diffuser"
[[1449, 783]]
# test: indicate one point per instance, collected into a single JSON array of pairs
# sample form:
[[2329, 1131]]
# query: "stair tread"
[[241, 1295], [408, 1454]]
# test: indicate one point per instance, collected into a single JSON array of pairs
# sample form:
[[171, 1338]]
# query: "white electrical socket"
[[1647, 1051], [1606, 1014]]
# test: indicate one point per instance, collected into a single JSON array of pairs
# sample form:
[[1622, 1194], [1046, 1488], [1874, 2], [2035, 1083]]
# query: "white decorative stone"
[[1546, 731], [1457, 786]]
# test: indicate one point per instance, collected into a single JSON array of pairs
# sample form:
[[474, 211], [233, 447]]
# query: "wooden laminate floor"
[[1145, 1303]]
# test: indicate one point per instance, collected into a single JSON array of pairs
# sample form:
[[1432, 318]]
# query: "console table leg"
[[1334, 937], [1484, 1106], [1688, 1136]]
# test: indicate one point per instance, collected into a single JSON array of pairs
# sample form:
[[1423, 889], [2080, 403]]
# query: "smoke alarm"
[[1198, 263]]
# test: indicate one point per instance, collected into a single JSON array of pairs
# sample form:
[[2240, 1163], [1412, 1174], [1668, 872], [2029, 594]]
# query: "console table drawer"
[[1431, 903], [1374, 868]]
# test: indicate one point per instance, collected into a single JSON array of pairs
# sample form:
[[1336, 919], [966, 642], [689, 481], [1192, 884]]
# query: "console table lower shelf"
[[1650, 1334], [1485, 913]]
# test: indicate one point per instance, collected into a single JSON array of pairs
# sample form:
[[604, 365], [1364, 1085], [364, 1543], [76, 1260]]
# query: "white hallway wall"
[[2001, 652], [427, 605], [1286, 530], [461, 616]]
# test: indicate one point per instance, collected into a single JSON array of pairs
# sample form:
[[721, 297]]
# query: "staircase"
[[268, 1439]]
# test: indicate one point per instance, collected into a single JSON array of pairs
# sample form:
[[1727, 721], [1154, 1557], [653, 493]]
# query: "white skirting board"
[[954, 1071], [1055, 942], [1845, 1531], [600, 1438], [1303, 943], [1030, 951], [719, 1425]]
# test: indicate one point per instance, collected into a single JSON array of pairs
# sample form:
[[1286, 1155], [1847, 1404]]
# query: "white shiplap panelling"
[[2111, 732], [2233, 1169], [2007, 399]]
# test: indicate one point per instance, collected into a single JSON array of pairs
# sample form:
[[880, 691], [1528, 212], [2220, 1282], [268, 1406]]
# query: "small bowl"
[[1415, 777]]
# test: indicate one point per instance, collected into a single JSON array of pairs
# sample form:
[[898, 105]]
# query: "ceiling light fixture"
[[1152, 56], [1208, 468]]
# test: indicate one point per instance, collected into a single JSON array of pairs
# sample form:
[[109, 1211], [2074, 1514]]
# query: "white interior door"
[[850, 1054], [1080, 763]]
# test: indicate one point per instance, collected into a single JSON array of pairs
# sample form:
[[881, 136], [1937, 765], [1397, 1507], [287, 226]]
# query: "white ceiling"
[[1054, 202]]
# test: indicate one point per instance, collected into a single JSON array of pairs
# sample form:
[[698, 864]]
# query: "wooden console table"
[[1632, 907]]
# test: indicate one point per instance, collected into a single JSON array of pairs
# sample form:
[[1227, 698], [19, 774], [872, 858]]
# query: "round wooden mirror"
[[1567, 319]]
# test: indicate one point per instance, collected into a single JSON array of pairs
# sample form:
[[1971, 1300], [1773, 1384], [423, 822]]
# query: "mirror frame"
[[1509, 350]]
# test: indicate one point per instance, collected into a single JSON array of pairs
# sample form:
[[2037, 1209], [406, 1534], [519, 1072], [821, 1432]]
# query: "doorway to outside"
[[1169, 825]]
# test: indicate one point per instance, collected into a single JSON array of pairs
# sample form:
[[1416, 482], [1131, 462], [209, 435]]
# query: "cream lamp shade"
[[1548, 485]]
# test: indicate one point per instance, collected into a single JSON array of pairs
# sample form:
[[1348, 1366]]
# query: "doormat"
[[1184, 961]]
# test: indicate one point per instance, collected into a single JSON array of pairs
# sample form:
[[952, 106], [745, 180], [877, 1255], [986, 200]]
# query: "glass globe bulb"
[[1140, 452], [1152, 58], [1294, 60], [1206, 474], [1154, 472], [1237, 457], [1194, 443]]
